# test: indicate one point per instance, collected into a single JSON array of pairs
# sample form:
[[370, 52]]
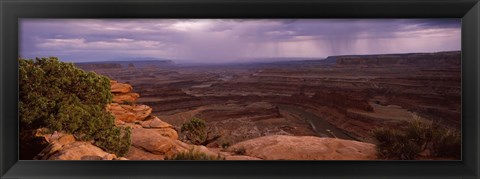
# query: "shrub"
[[395, 144], [416, 137], [114, 140], [61, 97], [240, 151], [447, 143], [194, 155], [420, 132], [197, 132]]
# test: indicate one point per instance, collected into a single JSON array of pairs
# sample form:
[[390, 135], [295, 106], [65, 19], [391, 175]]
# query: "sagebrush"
[[197, 132], [416, 137]]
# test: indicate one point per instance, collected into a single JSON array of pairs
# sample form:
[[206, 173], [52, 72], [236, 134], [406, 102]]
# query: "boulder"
[[129, 113], [125, 97], [151, 141], [163, 128], [155, 122], [281, 147], [116, 87], [167, 132]]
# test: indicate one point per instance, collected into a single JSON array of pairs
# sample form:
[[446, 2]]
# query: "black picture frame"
[[12, 10]]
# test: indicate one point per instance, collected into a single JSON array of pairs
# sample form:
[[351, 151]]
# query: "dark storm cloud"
[[224, 40], [439, 23]]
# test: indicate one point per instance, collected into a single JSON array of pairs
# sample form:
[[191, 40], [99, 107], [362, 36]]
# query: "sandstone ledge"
[[281, 147]]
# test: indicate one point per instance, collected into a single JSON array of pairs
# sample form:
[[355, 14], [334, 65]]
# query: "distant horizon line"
[[242, 60]]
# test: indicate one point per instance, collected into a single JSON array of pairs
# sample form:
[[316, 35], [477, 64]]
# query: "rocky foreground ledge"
[[154, 139], [282, 147]]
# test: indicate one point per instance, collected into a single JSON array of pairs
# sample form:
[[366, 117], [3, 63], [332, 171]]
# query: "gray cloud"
[[225, 40]]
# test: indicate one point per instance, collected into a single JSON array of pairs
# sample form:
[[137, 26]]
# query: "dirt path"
[[319, 125]]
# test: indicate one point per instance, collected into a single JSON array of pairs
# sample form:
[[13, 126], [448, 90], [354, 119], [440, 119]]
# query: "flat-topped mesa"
[[438, 59]]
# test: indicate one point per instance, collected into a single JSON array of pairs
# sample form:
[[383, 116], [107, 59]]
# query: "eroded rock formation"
[[67, 147], [129, 113], [151, 138], [122, 92]]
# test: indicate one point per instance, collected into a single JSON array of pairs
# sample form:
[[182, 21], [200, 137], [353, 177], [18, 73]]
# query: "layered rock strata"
[[122, 92]]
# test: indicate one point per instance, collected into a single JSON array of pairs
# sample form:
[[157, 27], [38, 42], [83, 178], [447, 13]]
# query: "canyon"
[[153, 139], [291, 110], [341, 96]]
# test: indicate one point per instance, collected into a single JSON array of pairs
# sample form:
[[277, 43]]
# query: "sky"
[[232, 40]]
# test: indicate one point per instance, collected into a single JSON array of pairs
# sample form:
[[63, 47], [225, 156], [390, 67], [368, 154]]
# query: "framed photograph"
[[242, 89]]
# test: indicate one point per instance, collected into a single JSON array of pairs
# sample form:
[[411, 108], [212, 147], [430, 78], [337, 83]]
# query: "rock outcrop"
[[125, 98], [152, 138], [151, 144], [129, 113], [66, 147], [280, 147], [154, 142], [116, 87], [163, 128], [81, 151], [122, 92]]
